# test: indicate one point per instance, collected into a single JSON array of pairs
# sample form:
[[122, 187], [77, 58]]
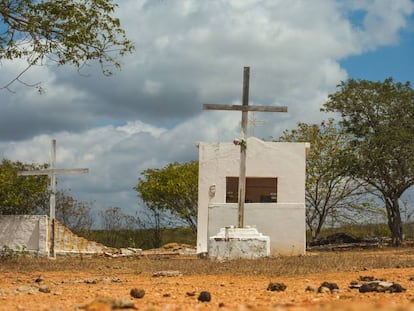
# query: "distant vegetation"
[[141, 238]]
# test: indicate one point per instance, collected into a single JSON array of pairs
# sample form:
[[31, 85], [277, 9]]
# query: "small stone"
[[168, 273], [204, 296], [221, 305], [309, 289], [39, 279], [381, 287], [330, 286], [396, 288], [27, 289], [137, 293], [107, 303], [276, 287], [323, 290], [44, 289], [191, 294]]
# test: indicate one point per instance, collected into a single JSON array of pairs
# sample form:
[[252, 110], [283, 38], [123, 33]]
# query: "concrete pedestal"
[[236, 243]]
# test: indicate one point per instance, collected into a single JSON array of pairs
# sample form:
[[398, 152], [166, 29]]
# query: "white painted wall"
[[31, 233], [25, 232], [284, 221]]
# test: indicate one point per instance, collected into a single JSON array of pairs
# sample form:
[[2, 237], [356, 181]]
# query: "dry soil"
[[175, 283]]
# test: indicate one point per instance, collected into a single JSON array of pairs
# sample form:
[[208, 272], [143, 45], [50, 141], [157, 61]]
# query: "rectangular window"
[[258, 189]]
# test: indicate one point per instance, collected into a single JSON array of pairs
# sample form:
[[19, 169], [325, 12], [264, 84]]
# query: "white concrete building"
[[275, 192]]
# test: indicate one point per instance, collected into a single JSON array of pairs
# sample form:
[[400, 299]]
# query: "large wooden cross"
[[52, 172], [244, 108]]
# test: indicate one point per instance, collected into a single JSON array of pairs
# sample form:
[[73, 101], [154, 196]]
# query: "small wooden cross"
[[244, 108], [253, 122], [52, 172]]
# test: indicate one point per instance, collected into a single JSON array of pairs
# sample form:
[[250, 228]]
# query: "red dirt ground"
[[74, 289]]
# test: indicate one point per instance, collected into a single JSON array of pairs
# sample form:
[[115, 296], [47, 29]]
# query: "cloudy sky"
[[189, 53]]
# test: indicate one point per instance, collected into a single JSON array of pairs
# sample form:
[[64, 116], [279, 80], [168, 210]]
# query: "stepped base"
[[238, 243]]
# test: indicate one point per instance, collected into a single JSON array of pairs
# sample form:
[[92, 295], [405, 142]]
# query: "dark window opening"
[[258, 190]]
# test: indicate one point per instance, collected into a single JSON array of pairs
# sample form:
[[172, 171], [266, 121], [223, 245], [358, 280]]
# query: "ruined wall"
[[31, 233], [67, 242]]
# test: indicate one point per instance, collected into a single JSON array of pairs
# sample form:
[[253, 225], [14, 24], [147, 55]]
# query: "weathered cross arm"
[[54, 171], [245, 108]]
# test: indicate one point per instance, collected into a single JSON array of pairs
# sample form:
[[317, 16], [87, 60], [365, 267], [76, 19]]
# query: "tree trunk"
[[394, 221]]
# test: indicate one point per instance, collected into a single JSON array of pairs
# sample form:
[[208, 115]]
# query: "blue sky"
[[190, 52], [396, 61]]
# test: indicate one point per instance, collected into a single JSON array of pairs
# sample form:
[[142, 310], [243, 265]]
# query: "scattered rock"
[[168, 273], [221, 305], [137, 293], [91, 281], [131, 251], [323, 290], [191, 294], [39, 279], [27, 290], [370, 287], [381, 287], [338, 238], [204, 296], [396, 288], [107, 303], [331, 286], [276, 287], [44, 289], [309, 289]]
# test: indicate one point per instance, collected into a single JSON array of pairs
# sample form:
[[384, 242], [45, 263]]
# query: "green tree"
[[330, 192], [22, 194], [380, 118], [61, 31], [173, 188]]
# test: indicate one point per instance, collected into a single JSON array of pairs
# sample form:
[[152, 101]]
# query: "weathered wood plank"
[[50, 171], [245, 108]]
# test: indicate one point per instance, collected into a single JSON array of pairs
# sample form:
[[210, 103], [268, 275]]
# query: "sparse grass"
[[315, 262]]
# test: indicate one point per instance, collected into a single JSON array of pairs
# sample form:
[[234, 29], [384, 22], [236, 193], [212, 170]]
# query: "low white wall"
[[284, 223], [25, 232], [31, 233]]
